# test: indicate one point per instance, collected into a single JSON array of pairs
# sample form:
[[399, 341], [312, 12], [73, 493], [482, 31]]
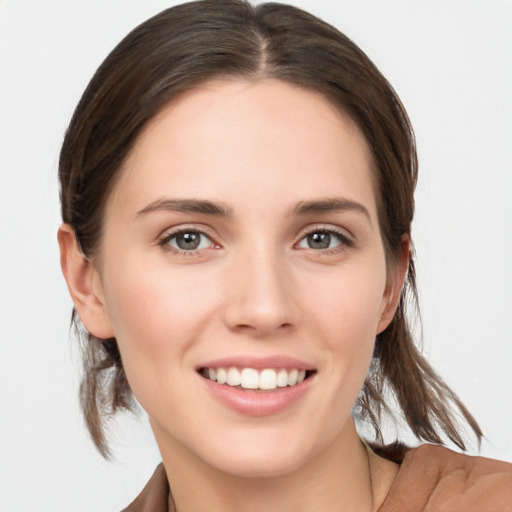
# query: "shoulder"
[[435, 479]]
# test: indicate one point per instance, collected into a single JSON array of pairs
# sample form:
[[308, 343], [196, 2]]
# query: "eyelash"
[[164, 242], [344, 240]]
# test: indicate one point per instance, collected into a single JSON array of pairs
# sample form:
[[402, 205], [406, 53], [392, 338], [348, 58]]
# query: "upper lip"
[[258, 363]]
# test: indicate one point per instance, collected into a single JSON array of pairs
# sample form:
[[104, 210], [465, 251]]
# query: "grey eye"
[[189, 241], [320, 240]]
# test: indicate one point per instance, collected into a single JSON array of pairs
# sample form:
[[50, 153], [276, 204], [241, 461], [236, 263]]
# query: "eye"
[[187, 240], [323, 239]]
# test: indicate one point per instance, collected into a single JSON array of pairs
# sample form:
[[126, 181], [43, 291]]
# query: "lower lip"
[[258, 403]]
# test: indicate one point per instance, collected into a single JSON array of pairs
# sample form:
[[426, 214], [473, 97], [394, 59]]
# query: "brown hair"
[[198, 41]]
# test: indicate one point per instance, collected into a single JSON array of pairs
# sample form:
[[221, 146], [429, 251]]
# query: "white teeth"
[[233, 377], [268, 379], [282, 379], [292, 377], [249, 378], [221, 376]]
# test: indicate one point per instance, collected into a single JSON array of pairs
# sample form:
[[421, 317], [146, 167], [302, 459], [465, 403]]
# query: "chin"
[[261, 465], [263, 456]]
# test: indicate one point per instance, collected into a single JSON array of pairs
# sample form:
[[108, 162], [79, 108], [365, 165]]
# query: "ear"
[[84, 285], [395, 281]]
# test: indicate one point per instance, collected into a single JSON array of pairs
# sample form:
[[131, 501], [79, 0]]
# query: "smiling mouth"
[[268, 379]]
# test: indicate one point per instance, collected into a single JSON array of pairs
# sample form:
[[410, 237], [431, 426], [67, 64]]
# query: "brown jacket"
[[430, 479]]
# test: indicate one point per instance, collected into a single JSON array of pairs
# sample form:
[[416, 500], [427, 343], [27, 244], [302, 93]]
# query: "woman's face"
[[242, 242]]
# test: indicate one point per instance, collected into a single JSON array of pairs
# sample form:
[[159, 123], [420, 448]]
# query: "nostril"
[[260, 328]]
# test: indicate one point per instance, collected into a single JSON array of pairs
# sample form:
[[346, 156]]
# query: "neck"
[[344, 476]]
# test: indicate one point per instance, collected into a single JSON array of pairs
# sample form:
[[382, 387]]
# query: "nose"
[[259, 292]]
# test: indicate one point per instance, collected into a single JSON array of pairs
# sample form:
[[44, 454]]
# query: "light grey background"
[[451, 63]]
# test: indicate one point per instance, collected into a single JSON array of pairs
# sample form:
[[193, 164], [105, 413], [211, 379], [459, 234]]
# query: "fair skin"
[[243, 232]]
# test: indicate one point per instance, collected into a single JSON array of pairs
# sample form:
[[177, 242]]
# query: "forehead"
[[250, 140]]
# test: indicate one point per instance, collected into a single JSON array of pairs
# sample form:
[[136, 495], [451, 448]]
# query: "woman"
[[237, 195]]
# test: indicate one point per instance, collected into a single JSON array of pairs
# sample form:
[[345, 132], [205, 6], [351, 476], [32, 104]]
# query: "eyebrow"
[[207, 207], [186, 206], [328, 205]]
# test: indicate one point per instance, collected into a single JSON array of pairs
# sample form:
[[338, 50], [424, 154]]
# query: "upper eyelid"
[[331, 228], [175, 230]]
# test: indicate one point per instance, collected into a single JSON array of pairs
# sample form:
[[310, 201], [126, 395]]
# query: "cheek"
[[156, 316], [344, 316], [155, 298], [348, 304]]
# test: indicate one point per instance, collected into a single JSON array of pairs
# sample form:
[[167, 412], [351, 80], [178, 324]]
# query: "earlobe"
[[84, 285], [394, 285]]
